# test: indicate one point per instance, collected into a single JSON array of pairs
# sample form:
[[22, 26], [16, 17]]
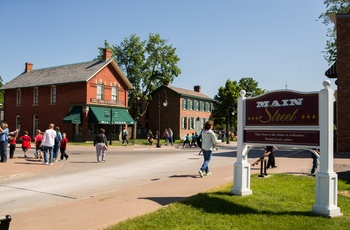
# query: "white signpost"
[[289, 118]]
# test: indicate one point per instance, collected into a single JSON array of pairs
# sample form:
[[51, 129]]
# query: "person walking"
[[56, 147], [4, 133], [48, 143], [124, 136], [314, 161], [150, 137], [101, 145], [166, 136], [13, 143], [269, 151], [63, 147], [38, 141], [208, 143], [25, 143], [171, 136], [187, 141]]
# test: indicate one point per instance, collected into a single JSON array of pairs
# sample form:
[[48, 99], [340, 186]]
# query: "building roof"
[[79, 72], [187, 92]]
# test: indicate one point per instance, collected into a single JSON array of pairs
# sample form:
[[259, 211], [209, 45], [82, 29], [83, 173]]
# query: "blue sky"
[[277, 43]]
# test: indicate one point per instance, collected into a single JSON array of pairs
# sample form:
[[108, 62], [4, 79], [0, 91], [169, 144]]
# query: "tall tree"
[[333, 6], [226, 100], [147, 64]]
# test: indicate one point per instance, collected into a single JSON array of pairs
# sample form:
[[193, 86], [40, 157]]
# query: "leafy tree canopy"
[[333, 6], [226, 100], [147, 64]]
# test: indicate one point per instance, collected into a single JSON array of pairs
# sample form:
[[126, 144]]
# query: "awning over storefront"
[[74, 115], [104, 115]]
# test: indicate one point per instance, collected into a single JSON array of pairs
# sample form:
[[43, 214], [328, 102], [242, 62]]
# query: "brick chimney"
[[197, 88], [107, 53], [29, 67]]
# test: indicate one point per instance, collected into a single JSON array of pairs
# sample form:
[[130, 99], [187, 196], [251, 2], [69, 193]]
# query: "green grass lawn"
[[280, 201]]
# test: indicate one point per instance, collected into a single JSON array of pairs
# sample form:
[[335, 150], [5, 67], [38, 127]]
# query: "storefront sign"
[[282, 109]]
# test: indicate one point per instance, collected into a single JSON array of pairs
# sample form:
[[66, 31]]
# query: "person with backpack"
[[56, 147]]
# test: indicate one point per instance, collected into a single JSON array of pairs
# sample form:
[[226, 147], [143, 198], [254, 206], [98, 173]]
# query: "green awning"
[[105, 115], [73, 116]]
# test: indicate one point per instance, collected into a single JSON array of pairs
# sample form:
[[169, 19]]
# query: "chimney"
[[197, 88], [107, 53], [29, 67]]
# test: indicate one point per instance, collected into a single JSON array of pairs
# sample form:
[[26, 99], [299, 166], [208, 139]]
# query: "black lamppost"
[[165, 103]]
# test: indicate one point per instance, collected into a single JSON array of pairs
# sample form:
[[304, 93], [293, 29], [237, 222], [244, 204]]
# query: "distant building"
[[79, 98], [185, 113]]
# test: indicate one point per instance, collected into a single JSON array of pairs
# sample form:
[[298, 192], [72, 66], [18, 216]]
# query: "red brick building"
[[185, 113], [341, 71], [79, 98]]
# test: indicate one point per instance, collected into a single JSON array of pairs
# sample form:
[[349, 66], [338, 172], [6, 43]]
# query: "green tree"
[[226, 100], [2, 92], [333, 6], [147, 64]]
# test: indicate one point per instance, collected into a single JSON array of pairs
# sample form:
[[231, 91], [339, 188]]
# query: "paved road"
[[133, 181]]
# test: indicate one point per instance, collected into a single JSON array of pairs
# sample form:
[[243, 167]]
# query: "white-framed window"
[[184, 123], [201, 106], [53, 95], [191, 123], [99, 93], [195, 105], [207, 106], [18, 122], [35, 124], [19, 97], [36, 96], [114, 93], [189, 104], [184, 104]]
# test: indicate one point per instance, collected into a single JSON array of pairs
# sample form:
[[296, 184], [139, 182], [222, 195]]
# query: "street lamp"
[[165, 103]]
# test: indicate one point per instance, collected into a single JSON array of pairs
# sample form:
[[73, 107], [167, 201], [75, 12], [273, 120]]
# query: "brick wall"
[[343, 82]]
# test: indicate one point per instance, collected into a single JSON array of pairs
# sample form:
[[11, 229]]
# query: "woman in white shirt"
[[208, 143]]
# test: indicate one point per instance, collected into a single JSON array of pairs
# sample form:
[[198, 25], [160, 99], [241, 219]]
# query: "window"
[[191, 123], [184, 104], [201, 106], [195, 105], [114, 93], [18, 123], [35, 124], [184, 123], [53, 95], [207, 106], [36, 96], [189, 104], [19, 97], [99, 91]]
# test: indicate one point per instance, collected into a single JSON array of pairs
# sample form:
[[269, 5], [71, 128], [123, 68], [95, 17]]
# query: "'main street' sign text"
[[282, 109]]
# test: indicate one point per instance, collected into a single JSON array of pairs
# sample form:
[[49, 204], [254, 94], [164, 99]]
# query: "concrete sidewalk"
[[98, 212]]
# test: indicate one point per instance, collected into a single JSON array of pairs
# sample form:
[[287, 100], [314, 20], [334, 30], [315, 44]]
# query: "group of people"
[[168, 137], [191, 140], [47, 144]]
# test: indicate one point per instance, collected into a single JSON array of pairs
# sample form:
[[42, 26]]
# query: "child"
[[13, 141], [25, 143], [187, 141], [63, 146], [38, 139]]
